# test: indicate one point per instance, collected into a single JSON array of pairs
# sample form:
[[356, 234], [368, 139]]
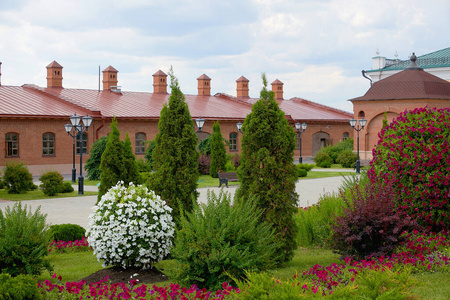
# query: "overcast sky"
[[316, 48]]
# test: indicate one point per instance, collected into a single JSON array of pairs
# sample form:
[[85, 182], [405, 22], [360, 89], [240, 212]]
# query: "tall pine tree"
[[175, 158], [218, 152], [267, 172]]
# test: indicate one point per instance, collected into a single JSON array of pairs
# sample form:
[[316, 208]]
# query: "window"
[[48, 143], [233, 141], [345, 136], [12, 144], [140, 143], [297, 140], [361, 114], [82, 144]]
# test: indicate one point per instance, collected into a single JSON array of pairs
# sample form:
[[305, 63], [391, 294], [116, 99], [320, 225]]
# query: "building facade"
[[32, 118]]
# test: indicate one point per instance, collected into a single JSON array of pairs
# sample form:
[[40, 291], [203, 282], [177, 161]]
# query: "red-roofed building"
[[411, 88], [32, 118]]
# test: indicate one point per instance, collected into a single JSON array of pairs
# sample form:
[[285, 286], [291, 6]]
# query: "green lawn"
[[75, 266], [323, 174], [38, 194]]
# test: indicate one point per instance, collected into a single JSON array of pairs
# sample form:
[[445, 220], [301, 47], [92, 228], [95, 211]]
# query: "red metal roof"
[[110, 69], [408, 84], [34, 101], [54, 64]]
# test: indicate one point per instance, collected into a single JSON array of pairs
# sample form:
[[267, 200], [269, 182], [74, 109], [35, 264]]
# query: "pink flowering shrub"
[[70, 246], [414, 152]]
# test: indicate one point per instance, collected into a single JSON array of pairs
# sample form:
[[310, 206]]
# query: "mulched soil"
[[118, 274]]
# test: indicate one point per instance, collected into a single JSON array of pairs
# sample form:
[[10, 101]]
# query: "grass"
[[208, 181], [38, 194], [434, 286], [323, 174]]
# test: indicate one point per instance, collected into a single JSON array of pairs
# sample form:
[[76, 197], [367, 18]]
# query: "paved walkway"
[[76, 210]]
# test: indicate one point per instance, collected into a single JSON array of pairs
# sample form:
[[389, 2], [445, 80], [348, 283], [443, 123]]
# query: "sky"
[[317, 48]]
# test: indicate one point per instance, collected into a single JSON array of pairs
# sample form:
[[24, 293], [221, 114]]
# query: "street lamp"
[[362, 123], [300, 128], [79, 125], [200, 122], [239, 126]]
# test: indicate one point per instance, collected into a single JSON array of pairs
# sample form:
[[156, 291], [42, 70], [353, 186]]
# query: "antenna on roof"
[[99, 78]]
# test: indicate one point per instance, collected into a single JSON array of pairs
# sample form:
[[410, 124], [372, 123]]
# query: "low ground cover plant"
[[130, 227], [413, 152], [22, 287], [218, 240], [24, 237]]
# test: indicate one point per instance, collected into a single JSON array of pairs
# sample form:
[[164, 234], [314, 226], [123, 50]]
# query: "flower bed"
[[69, 247]]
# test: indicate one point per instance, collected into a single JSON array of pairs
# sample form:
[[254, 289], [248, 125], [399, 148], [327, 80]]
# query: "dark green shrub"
[[151, 145], [205, 146], [370, 226], [346, 158], [67, 232], [204, 163], [131, 171], [414, 152], [2, 183], [145, 176], [51, 183], [18, 179], [218, 242], [143, 165], [218, 152], [24, 237], [323, 159], [334, 150], [307, 167], [95, 157], [21, 287], [267, 172], [66, 187], [302, 172]]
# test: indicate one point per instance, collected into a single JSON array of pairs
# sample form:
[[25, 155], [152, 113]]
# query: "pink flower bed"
[[71, 246]]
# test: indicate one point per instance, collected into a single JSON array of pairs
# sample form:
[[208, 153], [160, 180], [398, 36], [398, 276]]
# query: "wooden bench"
[[224, 177]]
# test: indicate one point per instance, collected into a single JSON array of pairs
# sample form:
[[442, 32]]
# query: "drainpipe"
[[365, 76]]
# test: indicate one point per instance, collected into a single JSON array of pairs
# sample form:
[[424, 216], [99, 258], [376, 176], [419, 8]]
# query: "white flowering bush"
[[130, 227]]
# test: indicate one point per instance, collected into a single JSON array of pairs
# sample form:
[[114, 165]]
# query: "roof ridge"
[[232, 98], [329, 108]]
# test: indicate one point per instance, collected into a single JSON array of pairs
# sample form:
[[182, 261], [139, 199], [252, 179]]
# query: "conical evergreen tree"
[[111, 166], [218, 152], [267, 172], [175, 158], [129, 161]]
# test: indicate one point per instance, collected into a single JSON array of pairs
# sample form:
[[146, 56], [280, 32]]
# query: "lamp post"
[[68, 128], [79, 125], [200, 122], [300, 128], [358, 128]]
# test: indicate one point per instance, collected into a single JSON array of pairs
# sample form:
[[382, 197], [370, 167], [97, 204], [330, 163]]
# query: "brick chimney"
[[242, 87], [109, 78], [277, 88], [160, 82], [54, 75], [204, 87]]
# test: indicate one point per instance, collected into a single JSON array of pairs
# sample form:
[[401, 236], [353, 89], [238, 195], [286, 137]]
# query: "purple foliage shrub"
[[414, 153], [370, 226], [204, 162]]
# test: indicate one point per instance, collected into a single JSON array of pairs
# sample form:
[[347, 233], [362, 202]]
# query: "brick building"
[[32, 118], [411, 88]]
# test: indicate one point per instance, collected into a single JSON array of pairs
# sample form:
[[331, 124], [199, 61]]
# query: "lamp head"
[[68, 127], [75, 120], [200, 122], [352, 122], [239, 126], [297, 126], [362, 122], [87, 121], [304, 125]]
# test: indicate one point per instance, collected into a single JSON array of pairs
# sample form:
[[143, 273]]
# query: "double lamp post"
[[77, 126], [358, 128]]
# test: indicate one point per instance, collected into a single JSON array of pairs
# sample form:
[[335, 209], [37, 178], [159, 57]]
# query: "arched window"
[[11, 144], [140, 143], [82, 144], [345, 136], [233, 141], [48, 144], [361, 114]]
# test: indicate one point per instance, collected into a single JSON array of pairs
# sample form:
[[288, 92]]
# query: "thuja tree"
[[414, 153], [95, 157], [175, 158], [267, 172], [218, 152], [131, 172]]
